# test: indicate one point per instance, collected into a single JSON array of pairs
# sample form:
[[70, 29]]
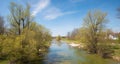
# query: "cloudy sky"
[[62, 16]]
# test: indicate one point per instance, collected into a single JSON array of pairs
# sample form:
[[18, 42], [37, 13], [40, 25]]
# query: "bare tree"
[[1, 25], [94, 23], [118, 15], [19, 17]]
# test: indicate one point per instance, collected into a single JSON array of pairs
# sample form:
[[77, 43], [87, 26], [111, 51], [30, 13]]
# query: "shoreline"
[[76, 45], [81, 46], [116, 58]]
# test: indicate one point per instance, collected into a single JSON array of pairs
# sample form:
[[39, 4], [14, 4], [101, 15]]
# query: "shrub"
[[105, 50]]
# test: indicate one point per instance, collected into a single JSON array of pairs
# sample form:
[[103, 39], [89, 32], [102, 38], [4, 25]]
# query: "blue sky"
[[62, 16]]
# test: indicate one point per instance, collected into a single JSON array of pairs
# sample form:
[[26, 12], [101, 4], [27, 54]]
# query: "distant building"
[[113, 37]]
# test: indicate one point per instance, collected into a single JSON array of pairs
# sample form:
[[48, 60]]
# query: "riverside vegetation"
[[96, 37], [25, 41]]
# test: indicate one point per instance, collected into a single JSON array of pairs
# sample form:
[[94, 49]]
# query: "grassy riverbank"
[[116, 54], [115, 47], [75, 43]]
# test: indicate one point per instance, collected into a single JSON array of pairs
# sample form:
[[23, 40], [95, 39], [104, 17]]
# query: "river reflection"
[[61, 53]]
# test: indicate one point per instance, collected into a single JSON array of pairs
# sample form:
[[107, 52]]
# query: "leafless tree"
[[118, 15], [1, 25]]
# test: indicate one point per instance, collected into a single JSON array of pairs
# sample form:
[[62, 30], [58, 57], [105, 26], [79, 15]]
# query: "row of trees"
[[94, 34], [24, 41]]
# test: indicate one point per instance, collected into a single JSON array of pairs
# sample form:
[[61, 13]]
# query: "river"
[[62, 53]]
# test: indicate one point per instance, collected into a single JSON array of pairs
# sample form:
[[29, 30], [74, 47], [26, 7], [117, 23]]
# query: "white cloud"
[[42, 4], [54, 13]]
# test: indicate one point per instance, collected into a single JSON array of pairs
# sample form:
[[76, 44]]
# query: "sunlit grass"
[[4, 62], [95, 59]]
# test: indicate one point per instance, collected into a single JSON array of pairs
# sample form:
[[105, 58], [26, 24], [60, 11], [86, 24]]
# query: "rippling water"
[[62, 53]]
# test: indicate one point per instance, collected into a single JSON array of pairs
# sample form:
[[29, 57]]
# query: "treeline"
[[24, 41], [94, 33]]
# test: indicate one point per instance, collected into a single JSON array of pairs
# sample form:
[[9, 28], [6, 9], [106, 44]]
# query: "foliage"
[[58, 38], [25, 41], [19, 17], [119, 38], [94, 34], [105, 50], [94, 23]]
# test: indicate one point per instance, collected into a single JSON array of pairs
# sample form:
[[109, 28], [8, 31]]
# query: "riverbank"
[[74, 43], [62, 53], [116, 55], [115, 47], [80, 45]]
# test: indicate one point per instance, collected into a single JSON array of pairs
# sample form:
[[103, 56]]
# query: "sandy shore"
[[77, 45], [117, 58]]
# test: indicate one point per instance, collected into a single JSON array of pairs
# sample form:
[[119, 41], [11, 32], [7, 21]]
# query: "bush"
[[23, 49], [105, 50]]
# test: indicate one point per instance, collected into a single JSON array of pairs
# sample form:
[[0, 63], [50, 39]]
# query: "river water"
[[62, 53]]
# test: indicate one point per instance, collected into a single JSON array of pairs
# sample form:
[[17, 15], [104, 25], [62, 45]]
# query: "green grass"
[[4, 62], [117, 52], [116, 49]]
